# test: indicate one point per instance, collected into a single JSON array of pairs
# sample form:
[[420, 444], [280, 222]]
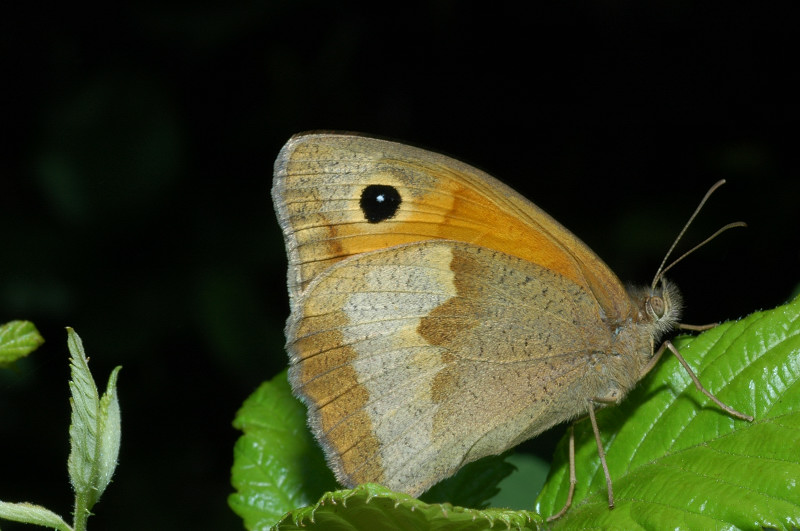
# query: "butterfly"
[[438, 316]]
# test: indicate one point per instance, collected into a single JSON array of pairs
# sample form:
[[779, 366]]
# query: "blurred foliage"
[[138, 159]]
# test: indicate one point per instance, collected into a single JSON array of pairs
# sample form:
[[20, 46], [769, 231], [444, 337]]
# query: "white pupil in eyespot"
[[379, 198]]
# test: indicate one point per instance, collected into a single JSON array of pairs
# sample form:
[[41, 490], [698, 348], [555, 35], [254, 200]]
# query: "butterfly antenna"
[[661, 268]]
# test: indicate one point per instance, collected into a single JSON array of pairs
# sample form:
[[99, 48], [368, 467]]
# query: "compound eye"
[[657, 305]]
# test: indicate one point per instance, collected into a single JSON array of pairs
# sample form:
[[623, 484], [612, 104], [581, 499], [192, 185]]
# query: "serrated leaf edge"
[[373, 491]]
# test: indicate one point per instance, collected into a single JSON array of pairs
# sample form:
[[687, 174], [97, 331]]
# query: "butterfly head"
[[659, 307]]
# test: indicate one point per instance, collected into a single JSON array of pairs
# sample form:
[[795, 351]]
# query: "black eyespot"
[[379, 202]]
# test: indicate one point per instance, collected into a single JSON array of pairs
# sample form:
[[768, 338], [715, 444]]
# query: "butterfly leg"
[[601, 451], [593, 402], [732, 412], [572, 478], [697, 328]]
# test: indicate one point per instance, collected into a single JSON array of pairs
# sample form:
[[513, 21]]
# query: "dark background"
[[137, 161]]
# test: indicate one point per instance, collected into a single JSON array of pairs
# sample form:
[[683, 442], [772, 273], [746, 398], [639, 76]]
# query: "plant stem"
[[81, 512]]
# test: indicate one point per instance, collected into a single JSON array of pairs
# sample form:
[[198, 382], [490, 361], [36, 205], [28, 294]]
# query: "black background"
[[137, 160]]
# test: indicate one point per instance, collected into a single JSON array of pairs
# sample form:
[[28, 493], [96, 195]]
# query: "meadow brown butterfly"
[[437, 316]]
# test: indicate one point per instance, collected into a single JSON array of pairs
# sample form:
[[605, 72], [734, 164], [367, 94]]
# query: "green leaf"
[[277, 464], [474, 485], [109, 433], [519, 489], [94, 429], [674, 456], [28, 513], [18, 339], [371, 506]]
